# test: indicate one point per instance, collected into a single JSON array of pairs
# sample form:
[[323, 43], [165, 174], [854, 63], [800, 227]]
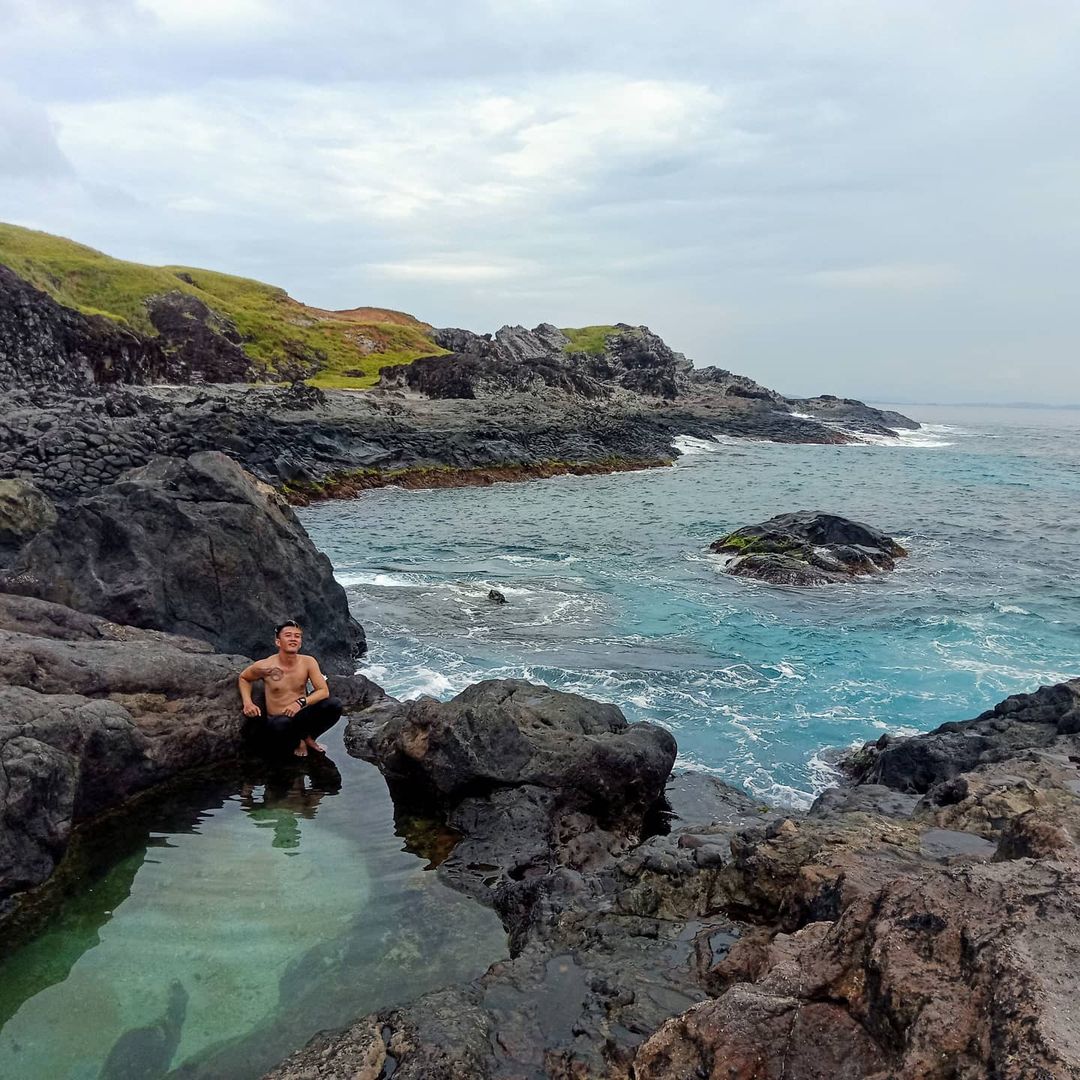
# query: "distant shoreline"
[[876, 402]]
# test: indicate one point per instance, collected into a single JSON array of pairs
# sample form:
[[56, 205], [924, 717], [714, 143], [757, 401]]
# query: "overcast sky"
[[869, 198]]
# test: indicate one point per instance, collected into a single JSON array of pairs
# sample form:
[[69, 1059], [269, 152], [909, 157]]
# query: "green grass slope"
[[590, 339], [355, 343]]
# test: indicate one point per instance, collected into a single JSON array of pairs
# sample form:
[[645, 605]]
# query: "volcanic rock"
[[1023, 722], [509, 732], [853, 415], [807, 548], [198, 548]]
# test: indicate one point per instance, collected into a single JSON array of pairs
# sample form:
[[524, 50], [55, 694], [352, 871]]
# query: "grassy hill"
[[354, 343]]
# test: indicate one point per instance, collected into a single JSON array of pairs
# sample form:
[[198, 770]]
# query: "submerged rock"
[[193, 547], [496, 597], [146, 1052], [808, 548]]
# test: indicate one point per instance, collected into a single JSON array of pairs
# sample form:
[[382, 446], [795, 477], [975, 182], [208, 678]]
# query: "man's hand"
[[251, 709], [291, 709]]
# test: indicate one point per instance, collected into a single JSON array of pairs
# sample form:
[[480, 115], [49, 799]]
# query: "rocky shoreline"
[[873, 936]]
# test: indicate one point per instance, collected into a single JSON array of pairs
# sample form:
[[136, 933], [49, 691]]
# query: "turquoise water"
[[612, 592], [223, 924]]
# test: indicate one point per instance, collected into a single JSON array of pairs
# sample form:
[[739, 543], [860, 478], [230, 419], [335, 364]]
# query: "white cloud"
[[452, 269], [898, 277], [213, 15]]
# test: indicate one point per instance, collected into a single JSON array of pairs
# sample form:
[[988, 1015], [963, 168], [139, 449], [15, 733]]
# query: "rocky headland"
[[327, 404]]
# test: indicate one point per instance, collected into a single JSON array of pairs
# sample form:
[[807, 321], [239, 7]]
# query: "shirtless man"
[[294, 717]]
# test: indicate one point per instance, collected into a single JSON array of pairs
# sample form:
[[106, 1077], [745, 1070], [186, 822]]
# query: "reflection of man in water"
[[295, 716], [286, 798]]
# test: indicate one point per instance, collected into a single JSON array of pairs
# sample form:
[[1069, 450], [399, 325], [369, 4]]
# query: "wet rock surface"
[[807, 548], [853, 415], [193, 547]]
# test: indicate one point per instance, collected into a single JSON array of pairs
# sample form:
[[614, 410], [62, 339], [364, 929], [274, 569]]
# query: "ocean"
[[612, 592]]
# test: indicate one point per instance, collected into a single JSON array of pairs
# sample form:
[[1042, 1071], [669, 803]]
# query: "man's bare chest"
[[280, 681]]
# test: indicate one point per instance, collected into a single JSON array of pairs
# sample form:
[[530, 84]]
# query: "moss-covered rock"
[[807, 548]]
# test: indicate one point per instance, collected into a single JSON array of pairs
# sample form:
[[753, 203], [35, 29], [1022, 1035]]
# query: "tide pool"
[[222, 924]]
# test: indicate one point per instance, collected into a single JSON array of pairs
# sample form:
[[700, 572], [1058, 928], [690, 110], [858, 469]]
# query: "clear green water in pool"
[[220, 926]]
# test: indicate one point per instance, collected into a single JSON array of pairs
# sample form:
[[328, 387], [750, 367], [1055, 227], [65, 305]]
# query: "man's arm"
[[320, 690], [249, 675]]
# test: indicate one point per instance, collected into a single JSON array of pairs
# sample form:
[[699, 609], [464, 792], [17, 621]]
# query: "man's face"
[[290, 639]]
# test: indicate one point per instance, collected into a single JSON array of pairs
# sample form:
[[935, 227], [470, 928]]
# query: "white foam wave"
[[1011, 609], [377, 578], [533, 560], [427, 681], [688, 445]]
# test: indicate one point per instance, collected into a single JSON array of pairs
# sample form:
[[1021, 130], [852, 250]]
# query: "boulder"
[[934, 975], [511, 733], [195, 547], [807, 548]]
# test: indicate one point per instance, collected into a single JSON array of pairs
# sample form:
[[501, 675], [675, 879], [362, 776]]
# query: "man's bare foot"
[[301, 750], [316, 745]]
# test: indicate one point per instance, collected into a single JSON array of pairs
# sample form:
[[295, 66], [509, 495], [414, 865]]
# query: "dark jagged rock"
[[91, 712], [867, 939], [854, 415], [513, 733], [1020, 723], [43, 343], [496, 597], [193, 547], [633, 360], [807, 548], [940, 975], [200, 344]]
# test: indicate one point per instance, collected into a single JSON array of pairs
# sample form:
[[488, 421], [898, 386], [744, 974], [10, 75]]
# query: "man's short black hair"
[[287, 622]]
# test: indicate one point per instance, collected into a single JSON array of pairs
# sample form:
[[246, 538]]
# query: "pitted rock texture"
[[808, 547], [198, 548]]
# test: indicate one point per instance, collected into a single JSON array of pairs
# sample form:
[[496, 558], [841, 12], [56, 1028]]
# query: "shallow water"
[[612, 592], [222, 925]]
